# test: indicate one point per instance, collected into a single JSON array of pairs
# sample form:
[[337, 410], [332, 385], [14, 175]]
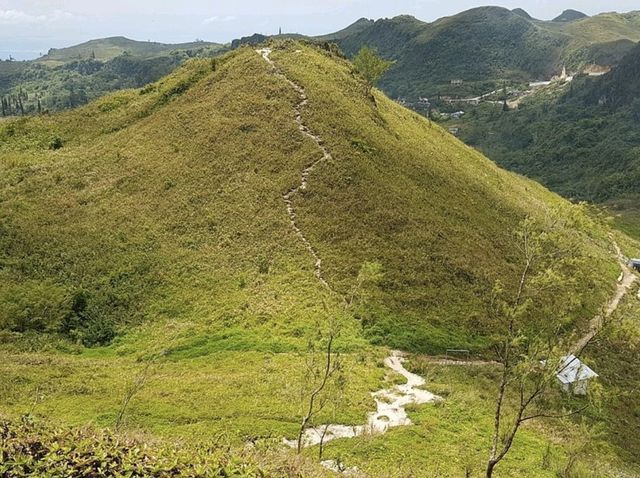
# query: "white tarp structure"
[[574, 375]]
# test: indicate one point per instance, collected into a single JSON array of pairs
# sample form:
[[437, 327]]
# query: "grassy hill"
[[70, 77], [582, 142], [487, 45], [109, 48], [570, 16], [146, 237]]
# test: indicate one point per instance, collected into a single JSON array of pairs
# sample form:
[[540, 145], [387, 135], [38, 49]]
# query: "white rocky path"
[[625, 282], [306, 172], [390, 409]]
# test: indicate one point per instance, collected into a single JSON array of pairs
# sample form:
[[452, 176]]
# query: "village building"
[[574, 376], [457, 82]]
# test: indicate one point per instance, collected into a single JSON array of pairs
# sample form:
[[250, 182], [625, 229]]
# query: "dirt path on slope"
[[626, 280], [306, 172]]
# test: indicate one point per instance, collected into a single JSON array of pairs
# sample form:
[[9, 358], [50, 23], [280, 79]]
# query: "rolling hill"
[[582, 142], [486, 46], [570, 16], [105, 49], [70, 77], [196, 236]]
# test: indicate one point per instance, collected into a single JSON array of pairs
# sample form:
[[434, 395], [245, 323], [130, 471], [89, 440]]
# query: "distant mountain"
[[486, 45], [621, 86], [353, 29], [522, 13], [69, 77], [570, 16], [584, 144], [109, 48]]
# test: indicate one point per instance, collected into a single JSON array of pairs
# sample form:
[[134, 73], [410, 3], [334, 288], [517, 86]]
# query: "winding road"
[[626, 280]]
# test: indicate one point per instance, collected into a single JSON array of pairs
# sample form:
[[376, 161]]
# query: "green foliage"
[[72, 77], [32, 306], [32, 449], [614, 354], [583, 143], [484, 46], [56, 143], [370, 65]]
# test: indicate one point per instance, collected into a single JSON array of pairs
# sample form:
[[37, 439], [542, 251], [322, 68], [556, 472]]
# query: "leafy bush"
[[56, 143], [30, 449]]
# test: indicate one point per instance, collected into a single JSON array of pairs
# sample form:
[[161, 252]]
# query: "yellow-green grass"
[[615, 354], [163, 207], [453, 437], [241, 395]]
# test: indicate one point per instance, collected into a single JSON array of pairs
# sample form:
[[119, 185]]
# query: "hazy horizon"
[[30, 27]]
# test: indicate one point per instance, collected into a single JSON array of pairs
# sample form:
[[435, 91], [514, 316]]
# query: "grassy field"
[[145, 238]]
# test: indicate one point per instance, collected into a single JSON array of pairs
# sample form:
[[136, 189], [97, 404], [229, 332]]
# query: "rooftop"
[[573, 370]]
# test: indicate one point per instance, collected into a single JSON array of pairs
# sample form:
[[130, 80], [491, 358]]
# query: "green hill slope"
[[570, 16], [487, 45], [146, 237], [157, 172], [71, 77], [109, 48], [583, 144]]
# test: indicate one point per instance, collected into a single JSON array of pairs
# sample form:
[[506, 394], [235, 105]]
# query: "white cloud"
[[18, 17], [217, 19]]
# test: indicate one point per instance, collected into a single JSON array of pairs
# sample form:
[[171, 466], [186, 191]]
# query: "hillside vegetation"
[[582, 143], [145, 240], [487, 45], [105, 49], [71, 77]]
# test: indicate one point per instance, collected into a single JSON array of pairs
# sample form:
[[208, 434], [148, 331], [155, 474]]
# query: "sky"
[[30, 27]]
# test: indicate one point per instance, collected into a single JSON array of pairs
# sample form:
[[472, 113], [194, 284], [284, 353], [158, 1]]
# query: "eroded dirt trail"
[[626, 280], [390, 409], [306, 172]]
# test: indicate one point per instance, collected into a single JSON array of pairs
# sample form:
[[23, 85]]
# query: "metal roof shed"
[[574, 375]]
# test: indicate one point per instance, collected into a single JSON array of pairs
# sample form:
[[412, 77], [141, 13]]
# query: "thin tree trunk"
[[311, 409]]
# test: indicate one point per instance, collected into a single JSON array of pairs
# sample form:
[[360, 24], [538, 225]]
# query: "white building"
[[574, 375]]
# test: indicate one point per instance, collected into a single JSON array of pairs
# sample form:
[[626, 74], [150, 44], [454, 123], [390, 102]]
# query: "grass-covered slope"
[[166, 203], [110, 48], [583, 142], [145, 239]]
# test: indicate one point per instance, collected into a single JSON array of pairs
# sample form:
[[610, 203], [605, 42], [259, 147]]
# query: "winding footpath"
[[390, 409], [306, 172], [626, 280]]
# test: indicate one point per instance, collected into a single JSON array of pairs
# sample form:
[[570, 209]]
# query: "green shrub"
[[33, 306], [97, 332], [56, 143]]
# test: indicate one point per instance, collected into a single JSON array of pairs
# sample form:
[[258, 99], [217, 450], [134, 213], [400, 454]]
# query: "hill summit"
[[187, 194], [570, 16]]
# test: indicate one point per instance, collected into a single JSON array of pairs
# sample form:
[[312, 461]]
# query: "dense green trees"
[[584, 143]]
